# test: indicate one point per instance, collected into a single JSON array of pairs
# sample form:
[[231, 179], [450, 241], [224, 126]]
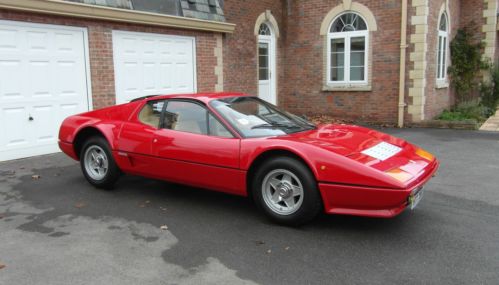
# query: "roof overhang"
[[72, 9]]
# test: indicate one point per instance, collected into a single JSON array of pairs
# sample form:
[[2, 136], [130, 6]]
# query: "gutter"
[[81, 10], [403, 48]]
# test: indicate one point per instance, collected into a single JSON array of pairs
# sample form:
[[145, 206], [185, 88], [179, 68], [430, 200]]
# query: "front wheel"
[[286, 191], [97, 163]]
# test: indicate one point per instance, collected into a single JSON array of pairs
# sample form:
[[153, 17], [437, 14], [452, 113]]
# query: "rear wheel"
[[286, 191], [97, 163]]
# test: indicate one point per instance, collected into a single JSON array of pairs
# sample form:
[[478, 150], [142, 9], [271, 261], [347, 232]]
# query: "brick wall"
[[300, 60], [240, 48], [438, 99], [472, 16], [101, 52], [303, 86]]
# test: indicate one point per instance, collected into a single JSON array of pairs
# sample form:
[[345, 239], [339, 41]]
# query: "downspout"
[[403, 48]]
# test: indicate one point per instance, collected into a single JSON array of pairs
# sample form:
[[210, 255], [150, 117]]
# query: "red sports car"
[[242, 145]]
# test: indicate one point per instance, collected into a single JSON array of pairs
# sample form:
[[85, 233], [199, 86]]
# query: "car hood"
[[372, 151], [346, 140]]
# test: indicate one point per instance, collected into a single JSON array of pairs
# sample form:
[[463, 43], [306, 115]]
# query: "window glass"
[[442, 48], [348, 49], [443, 23], [263, 61], [185, 117], [264, 30], [252, 117], [337, 59], [439, 59], [217, 129], [357, 58], [348, 22], [151, 113]]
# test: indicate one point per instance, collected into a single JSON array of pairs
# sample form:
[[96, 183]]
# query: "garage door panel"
[[65, 43], [165, 77], [9, 41], [39, 78], [67, 77], [37, 41], [14, 129], [44, 67], [10, 89], [148, 64], [44, 123], [148, 47]]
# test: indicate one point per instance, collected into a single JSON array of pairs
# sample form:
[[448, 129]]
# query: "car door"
[[136, 137], [193, 147]]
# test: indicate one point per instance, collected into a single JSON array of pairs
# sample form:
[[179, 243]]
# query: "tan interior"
[[148, 117], [187, 126]]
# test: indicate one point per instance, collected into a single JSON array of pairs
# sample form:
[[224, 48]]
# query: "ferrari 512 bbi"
[[242, 145]]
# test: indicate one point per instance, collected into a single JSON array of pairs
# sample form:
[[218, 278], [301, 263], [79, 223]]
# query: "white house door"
[[152, 64], [266, 65], [43, 79]]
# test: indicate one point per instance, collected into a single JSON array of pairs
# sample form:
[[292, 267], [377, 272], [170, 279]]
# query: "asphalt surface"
[[57, 229]]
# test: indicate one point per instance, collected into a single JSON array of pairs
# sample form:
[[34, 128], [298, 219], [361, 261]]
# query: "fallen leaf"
[[286, 248], [142, 205], [36, 177], [259, 242], [269, 251], [2, 266], [147, 202], [162, 208], [164, 227], [80, 205]]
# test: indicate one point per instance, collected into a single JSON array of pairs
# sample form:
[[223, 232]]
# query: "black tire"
[[311, 204], [113, 172]]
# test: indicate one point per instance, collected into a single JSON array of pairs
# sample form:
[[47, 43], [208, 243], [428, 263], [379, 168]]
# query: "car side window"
[[151, 113], [192, 118], [217, 129], [185, 117]]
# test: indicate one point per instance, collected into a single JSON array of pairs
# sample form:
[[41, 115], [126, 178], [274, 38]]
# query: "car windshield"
[[253, 117]]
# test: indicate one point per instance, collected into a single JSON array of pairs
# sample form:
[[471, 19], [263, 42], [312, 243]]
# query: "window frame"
[[442, 54], [347, 36], [208, 113]]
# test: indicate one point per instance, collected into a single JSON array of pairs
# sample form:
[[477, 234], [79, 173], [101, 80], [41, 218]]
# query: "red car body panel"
[[350, 182]]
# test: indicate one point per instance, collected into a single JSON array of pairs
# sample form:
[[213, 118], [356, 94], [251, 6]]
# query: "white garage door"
[[43, 79], [151, 64]]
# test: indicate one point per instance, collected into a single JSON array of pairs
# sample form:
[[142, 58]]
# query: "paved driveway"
[[59, 230]]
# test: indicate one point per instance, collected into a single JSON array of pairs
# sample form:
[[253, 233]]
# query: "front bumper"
[[370, 201]]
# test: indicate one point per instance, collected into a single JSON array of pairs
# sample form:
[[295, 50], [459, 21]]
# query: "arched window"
[[264, 30], [348, 49], [443, 42]]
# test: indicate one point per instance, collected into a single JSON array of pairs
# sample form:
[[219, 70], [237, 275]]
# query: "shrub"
[[470, 110], [466, 56], [487, 98]]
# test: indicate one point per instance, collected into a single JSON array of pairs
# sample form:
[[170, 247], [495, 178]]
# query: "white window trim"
[[442, 35], [347, 36]]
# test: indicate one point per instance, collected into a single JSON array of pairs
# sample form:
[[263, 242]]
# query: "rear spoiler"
[[143, 97]]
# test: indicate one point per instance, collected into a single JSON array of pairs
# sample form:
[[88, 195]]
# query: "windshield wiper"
[[275, 126]]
